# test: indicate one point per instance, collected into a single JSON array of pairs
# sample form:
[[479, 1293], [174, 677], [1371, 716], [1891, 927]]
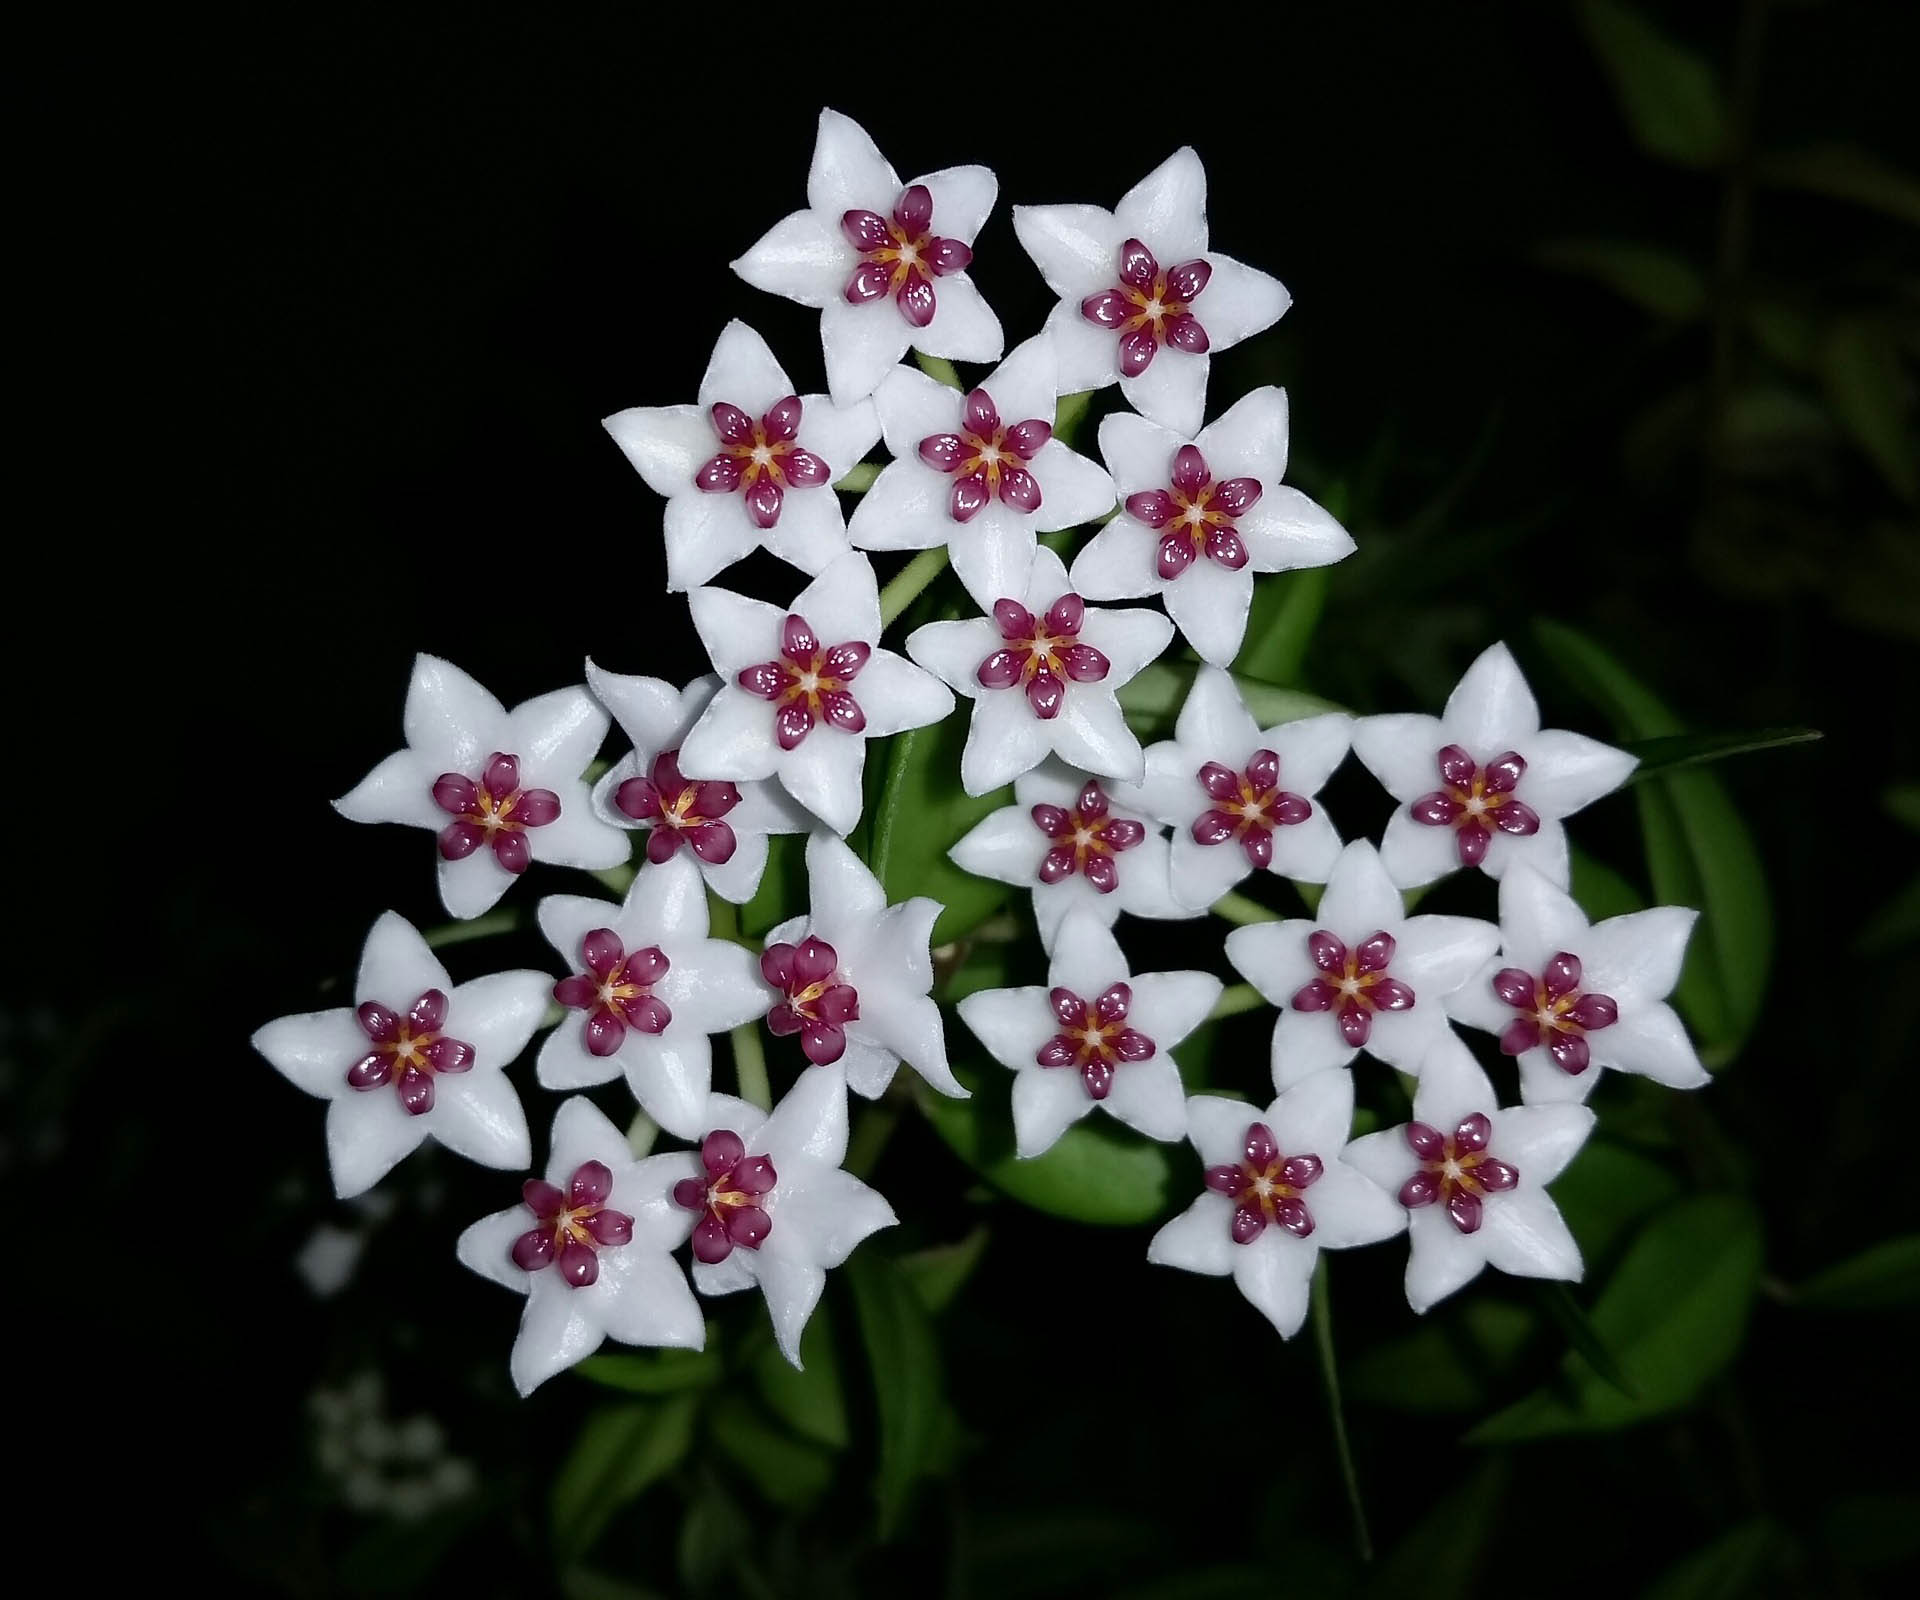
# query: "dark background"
[[379, 280]]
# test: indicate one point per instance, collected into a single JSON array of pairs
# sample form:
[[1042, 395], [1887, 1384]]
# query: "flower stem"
[[904, 587], [478, 928], [1330, 1376], [750, 1066], [641, 1132], [859, 478], [1234, 999], [1238, 908]]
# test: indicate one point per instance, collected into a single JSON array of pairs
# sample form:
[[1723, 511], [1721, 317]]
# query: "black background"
[[368, 284]]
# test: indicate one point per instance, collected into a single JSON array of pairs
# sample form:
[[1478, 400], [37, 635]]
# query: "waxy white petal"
[[1491, 708]]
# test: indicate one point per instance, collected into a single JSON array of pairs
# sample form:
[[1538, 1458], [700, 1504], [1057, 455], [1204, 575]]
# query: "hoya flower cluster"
[[775, 741]]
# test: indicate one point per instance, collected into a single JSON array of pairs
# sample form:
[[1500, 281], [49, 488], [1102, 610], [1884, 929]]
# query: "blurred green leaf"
[[654, 1371], [1608, 1192], [1902, 802], [1280, 626], [783, 886], [787, 1471], [1845, 172], [1876, 1279], [810, 1399], [588, 1583], [1874, 1530], [1091, 1174], [1206, 1583], [1675, 1313], [1647, 276], [907, 1381], [1326, 1357], [1570, 1317], [939, 369], [922, 813], [1867, 385], [1696, 749], [1449, 1364], [1443, 1557], [1895, 924], [1666, 93], [1153, 697], [1070, 413], [1699, 853], [938, 1273], [1600, 891], [1727, 1569], [620, 1453], [713, 1536], [859, 477]]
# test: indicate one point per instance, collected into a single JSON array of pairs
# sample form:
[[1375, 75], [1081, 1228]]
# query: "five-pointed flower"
[[591, 1247], [646, 990], [1570, 999], [1473, 1178], [414, 1055], [766, 1201], [1483, 785], [1064, 839], [752, 464], [1277, 1192], [1142, 297], [1041, 672], [501, 788], [885, 262], [1200, 516], [1096, 1035], [1238, 798], [722, 825], [854, 977], [803, 689], [980, 473], [1358, 974]]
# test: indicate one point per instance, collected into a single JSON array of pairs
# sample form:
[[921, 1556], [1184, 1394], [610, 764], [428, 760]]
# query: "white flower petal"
[[1214, 721], [1073, 489], [648, 710], [314, 1049], [1475, 1003], [1209, 604], [1360, 897], [869, 1065], [1168, 208], [906, 509], [994, 554], [576, 837], [1545, 852], [1146, 883], [809, 1123], [1403, 1039], [565, 1063], [1023, 385], [400, 789], [953, 651], [1054, 902], [486, 1247], [909, 1026], [1306, 1042], [714, 986], [1650, 1039], [733, 739], [1087, 958], [842, 894], [650, 1303], [792, 1290], [478, 1115], [1201, 874], [1544, 1083], [1309, 750], [473, 886], [1249, 439], [848, 171], [1172, 391], [1274, 1272], [737, 878], [1306, 851], [666, 444], [497, 1014], [841, 435], [735, 631], [742, 372], [396, 967], [962, 199], [1539, 919], [912, 406], [1523, 1233], [557, 1330], [803, 257], [1491, 708], [1400, 750], [671, 1075], [1272, 956], [1350, 1210], [1238, 301], [1217, 1126], [1167, 1006], [1129, 637], [1012, 1023], [726, 1277], [367, 1135], [1541, 1140], [811, 531], [1315, 1116], [1076, 247], [1146, 1095], [843, 601], [1442, 1260], [1088, 355], [1451, 1086], [823, 773], [1382, 1158], [1199, 1239], [1438, 954], [450, 719], [821, 1214], [1004, 740], [1283, 530], [964, 326], [861, 345], [1140, 453], [705, 534], [897, 695], [1568, 771], [1091, 733], [1003, 845], [1046, 1102], [555, 735], [1117, 563]]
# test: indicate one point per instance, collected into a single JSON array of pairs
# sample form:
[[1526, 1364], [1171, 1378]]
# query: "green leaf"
[[1600, 891], [621, 1452], [654, 1371], [505, 921], [1570, 1317], [787, 1471], [810, 1399], [1728, 1569], [1675, 1314], [1886, 1275], [1901, 801], [1091, 1174], [1845, 172], [938, 1273], [1653, 279], [939, 369], [1153, 697], [1666, 93], [907, 1381], [1699, 853], [1449, 1365], [1696, 749], [1607, 1193], [1443, 1556], [921, 815], [859, 477], [1280, 627], [1862, 371], [1069, 413], [783, 886], [714, 1534], [1336, 1413], [1894, 925]]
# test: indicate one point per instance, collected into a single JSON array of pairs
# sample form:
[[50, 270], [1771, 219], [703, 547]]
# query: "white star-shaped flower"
[[767, 1203], [591, 1247], [647, 989], [1239, 798], [1064, 839], [980, 473], [1359, 974], [753, 464], [804, 688], [501, 788], [1277, 1193], [885, 262], [1142, 297], [1570, 999], [414, 1055], [1095, 1035], [854, 976], [1200, 516], [723, 825], [1483, 785], [1041, 672], [1473, 1179]]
